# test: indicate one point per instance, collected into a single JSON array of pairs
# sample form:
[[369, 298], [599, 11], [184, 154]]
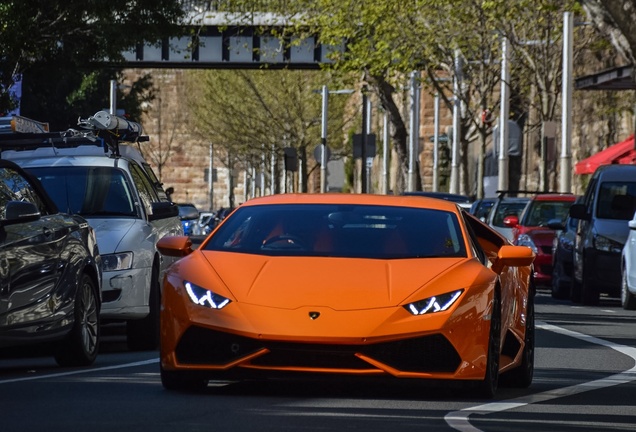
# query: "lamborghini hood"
[[337, 283]]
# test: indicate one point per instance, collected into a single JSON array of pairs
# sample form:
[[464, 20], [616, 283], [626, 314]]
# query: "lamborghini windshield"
[[362, 231]]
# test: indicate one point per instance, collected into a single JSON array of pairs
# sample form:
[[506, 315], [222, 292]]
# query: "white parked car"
[[628, 268]]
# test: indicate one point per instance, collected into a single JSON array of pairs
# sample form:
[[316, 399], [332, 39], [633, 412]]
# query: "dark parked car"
[[481, 208], [608, 205], [533, 229], [189, 216], [50, 273]]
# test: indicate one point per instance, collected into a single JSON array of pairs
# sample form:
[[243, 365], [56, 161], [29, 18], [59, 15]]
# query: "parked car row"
[[109, 191], [595, 251]]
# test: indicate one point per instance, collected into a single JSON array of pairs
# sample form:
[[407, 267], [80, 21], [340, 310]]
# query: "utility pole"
[[503, 117], [436, 143], [454, 180], [113, 97], [363, 150], [385, 154], [565, 168], [211, 178], [323, 141], [414, 133]]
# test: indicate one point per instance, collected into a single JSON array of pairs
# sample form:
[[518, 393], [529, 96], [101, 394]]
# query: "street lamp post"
[[323, 135], [503, 117], [566, 109]]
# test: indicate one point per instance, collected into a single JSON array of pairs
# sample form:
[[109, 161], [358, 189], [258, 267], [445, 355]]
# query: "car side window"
[[474, 242], [14, 187], [144, 187]]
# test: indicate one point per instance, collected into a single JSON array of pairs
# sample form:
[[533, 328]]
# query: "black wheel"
[[143, 334], [182, 380], [560, 289], [575, 291], [589, 294], [521, 377], [628, 300], [488, 386], [82, 344]]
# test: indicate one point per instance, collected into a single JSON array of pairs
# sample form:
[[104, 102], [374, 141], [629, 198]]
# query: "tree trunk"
[[385, 92], [617, 19]]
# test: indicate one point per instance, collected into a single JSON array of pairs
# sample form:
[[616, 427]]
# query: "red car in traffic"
[[531, 229]]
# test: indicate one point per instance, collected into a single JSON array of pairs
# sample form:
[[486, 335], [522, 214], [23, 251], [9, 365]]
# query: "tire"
[[81, 346], [575, 291], [589, 294], [521, 377], [628, 300], [182, 381], [560, 290], [143, 334], [487, 388]]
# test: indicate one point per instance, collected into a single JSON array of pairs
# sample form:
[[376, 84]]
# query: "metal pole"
[[211, 178], [369, 160], [454, 180], [503, 117], [363, 150], [262, 191], [412, 133], [253, 181], [565, 172], [272, 189], [113, 97], [436, 143], [323, 141], [385, 155]]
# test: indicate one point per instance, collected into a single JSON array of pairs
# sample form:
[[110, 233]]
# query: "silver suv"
[[112, 188]]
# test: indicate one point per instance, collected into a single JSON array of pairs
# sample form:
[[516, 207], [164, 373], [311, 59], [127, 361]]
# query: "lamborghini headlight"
[[434, 304], [526, 240], [204, 297]]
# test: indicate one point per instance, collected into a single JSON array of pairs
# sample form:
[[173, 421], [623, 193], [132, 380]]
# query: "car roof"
[[554, 197], [616, 172]]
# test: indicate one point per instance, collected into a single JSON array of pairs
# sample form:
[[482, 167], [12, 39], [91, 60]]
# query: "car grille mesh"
[[423, 354]]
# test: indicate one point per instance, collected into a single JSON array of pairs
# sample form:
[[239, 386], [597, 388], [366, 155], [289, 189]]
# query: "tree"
[[73, 36], [617, 19], [248, 113]]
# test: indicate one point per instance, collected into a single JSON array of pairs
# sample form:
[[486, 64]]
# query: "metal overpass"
[[228, 41]]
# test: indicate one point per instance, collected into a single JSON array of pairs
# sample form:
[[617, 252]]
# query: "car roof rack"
[[102, 129]]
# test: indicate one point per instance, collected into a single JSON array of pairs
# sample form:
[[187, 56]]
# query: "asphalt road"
[[584, 381]]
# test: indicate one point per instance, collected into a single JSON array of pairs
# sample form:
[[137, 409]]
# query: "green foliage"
[[255, 111], [74, 36]]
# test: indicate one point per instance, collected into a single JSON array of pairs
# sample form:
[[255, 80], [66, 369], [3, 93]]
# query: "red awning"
[[620, 153]]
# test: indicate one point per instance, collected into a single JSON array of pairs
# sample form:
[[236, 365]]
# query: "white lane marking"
[[82, 371], [459, 420]]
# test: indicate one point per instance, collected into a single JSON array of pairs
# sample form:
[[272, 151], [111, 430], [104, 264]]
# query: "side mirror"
[[20, 212], [579, 211], [556, 224], [513, 256], [175, 246], [511, 221], [163, 210]]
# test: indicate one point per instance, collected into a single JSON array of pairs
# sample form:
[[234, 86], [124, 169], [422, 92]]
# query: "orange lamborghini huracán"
[[356, 285]]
